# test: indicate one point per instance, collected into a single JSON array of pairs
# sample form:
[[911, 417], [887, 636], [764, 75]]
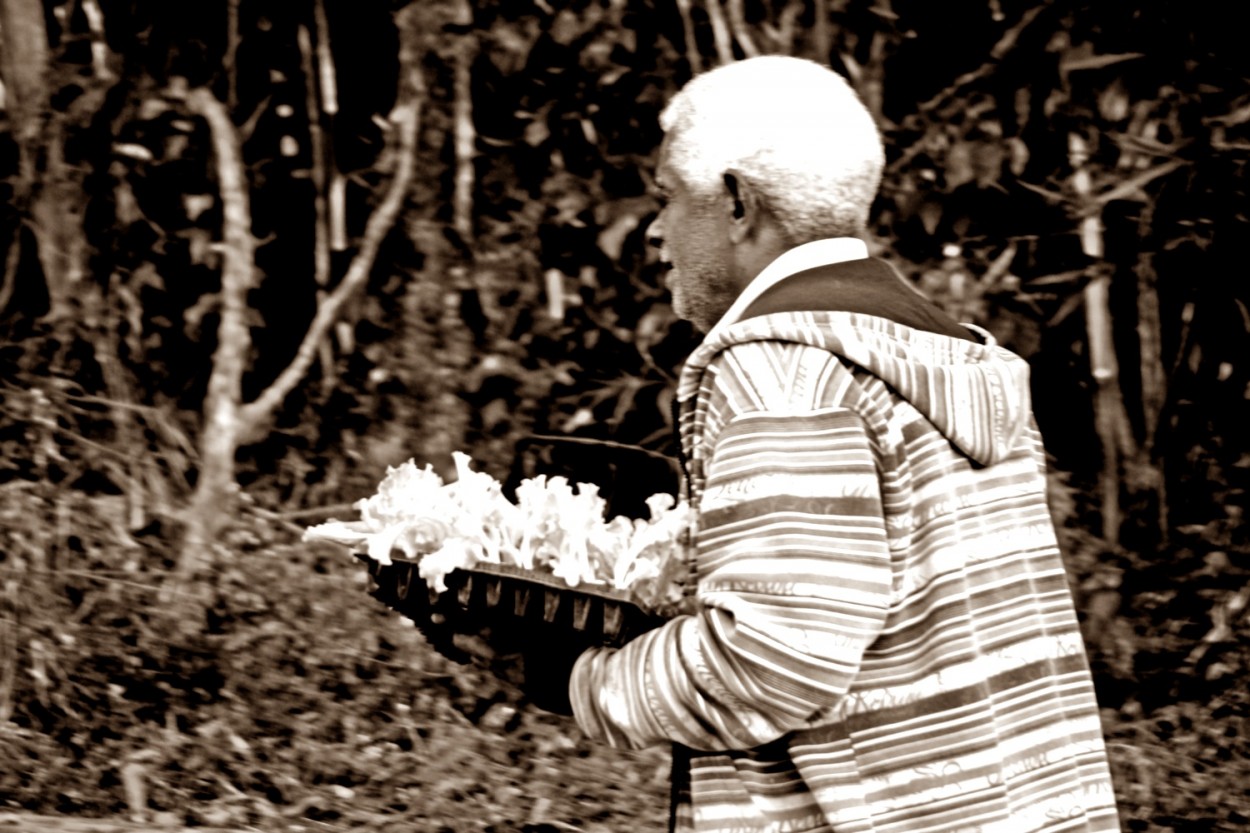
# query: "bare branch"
[[316, 138], [999, 268], [24, 57], [945, 103], [738, 23], [872, 78], [822, 39], [230, 59], [338, 211], [1082, 184], [325, 61], [720, 32], [406, 117], [238, 251], [219, 435], [336, 224], [612, 445], [1076, 64], [692, 47], [11, 259], [249, 126], [320, 158], [1005, 44], [99, 44], [1131, 186], [465, 135]]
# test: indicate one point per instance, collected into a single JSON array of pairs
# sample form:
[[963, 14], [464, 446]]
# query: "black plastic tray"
[[504, 597]]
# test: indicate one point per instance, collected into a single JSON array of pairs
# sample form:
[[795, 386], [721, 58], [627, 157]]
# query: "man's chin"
[[699, 322], [686, 312]]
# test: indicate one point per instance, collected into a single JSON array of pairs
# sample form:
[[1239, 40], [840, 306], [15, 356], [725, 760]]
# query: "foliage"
[[1035, 150], [295, 703]]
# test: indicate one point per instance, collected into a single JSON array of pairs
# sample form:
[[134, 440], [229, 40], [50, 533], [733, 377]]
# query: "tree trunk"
[[51, 198], [1154, 385], [228, 422], [1110, 418], [25, 67], [464, 133], [56, 215], [222, 427]]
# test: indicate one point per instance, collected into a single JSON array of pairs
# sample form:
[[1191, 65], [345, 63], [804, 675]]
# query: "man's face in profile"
[[691, 235]]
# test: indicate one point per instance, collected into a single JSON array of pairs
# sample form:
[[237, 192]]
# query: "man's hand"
[[546, 655], [548, 666]]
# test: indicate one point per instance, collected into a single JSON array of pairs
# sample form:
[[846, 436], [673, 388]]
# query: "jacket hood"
[[975, 393]]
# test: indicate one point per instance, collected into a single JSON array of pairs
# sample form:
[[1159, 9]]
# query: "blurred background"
[[255, 252]]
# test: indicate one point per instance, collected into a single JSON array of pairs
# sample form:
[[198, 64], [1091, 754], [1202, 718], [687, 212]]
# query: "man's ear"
[[744, 207]]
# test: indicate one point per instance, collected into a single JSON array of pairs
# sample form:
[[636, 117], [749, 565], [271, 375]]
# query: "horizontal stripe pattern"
[[882, 637]]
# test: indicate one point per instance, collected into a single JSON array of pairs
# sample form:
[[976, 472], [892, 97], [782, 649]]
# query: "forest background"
[[255, 252]]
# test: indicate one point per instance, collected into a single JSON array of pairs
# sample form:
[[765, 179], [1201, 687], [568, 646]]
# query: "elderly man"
[[881, 637]]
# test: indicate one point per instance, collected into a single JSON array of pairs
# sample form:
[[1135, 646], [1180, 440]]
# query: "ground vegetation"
[[256, 252]]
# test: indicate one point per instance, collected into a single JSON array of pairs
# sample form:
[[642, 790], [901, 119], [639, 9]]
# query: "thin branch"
[[337, 222], [590, 441], [102, 577], [872, 79], [999, 268], [51, 425], [314, 511], [465, 136], [230, 60], [1130, 186], [692, 46], [320, 157], [821, 35], [720, 32], [325, 61], [738, 24], [9, 593], [275, 518], [11, 260], [947, 99], [407, 118], [316, 139], [1005, 44], [99, 43], [249, 126], [338, 211], [1082, 185]]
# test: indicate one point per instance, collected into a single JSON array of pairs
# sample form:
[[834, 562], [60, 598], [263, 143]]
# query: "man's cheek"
[[678, 298]]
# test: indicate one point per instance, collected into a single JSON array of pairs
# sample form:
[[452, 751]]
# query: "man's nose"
[[655, 231]]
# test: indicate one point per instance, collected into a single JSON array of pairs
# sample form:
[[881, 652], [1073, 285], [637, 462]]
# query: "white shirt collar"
[[799, 259]]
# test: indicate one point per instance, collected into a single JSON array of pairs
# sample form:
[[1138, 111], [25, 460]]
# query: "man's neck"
[[754, 256], [788, 262]]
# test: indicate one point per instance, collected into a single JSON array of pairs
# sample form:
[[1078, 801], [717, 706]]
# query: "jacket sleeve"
[[793, 584]]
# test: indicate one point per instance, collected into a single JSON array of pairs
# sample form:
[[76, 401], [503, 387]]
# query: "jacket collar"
[[868, 286]]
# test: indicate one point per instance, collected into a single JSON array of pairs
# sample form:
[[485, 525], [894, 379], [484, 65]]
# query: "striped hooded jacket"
[[883, 639]]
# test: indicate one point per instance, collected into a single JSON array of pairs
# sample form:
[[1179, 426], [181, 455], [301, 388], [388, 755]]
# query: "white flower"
[[456, 554], [553, 527]]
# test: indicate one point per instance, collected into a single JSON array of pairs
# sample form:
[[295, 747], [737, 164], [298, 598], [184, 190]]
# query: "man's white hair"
[[793, 129]]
